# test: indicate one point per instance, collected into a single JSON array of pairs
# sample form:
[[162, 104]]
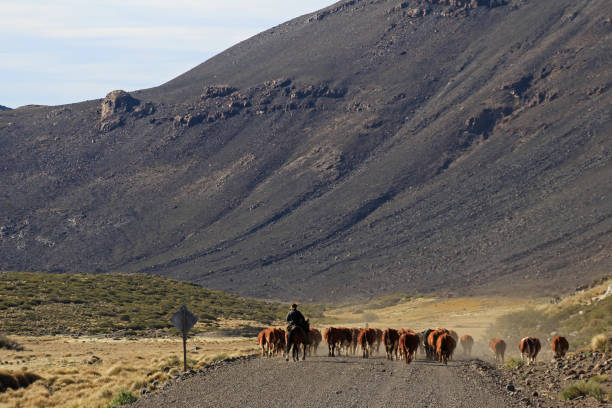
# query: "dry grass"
[[471, 315], [72, 378], [467, 315]]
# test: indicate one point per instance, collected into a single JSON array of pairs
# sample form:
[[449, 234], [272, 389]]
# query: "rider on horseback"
[[296, 320]]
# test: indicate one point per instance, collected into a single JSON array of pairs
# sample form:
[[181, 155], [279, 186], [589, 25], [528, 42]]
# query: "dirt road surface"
[[337, 382]]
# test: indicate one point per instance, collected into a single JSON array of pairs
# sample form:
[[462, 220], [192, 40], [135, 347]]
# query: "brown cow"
[[366, 339], [499, 348], [529, 348], [331, 338], [454, 335], [560, 346], [314, 338], [378, 339], [278, 341], [347, 339], [390, 338], [336, 338], [467, 342], [445, 346], [408, 345], [432, 340], [263, 341]]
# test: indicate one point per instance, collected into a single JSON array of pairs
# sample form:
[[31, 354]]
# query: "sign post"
[[184, 320]]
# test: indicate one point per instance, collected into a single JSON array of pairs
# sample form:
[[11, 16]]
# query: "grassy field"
[[42, 304], [91, 336], [90, 371]]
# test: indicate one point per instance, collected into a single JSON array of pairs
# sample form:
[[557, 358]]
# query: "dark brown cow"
[[337, 338], [560, 346], [499, 348], [408, 345], [278, 339], [454, 335], [332, 338], [347, 339], [390, 338], [429, 351], [366, 339], [529, 348], [445, 346], [378, 339], [467, 342], [314, 337]]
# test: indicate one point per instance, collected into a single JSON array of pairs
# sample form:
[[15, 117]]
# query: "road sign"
[[184, 320]]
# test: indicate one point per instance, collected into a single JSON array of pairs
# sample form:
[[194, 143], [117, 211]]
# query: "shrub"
[[589, 388], [124, 397], [514, 363], [599, 343], [6, 343]]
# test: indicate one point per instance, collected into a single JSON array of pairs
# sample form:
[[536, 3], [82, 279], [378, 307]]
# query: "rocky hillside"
[[371, 147], [578, 380], [2, 108]]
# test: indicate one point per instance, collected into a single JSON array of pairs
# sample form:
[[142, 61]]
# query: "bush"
[[586, 389], [599, 343], [514, 363], [124, 397], [6, 343]]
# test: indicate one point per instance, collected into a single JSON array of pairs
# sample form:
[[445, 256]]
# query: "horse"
[[295, 337]]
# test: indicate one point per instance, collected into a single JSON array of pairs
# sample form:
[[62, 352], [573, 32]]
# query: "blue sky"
[[64, 51]]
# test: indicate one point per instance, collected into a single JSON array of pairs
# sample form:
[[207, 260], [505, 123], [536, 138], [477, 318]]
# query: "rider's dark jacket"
[[295, 317]]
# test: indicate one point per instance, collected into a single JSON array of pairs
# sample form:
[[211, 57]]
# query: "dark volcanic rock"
[[370, 147]]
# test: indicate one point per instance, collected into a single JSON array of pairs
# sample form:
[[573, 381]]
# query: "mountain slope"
[[371, 147]]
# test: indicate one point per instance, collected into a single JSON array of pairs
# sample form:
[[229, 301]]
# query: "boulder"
[[117, 102], [114, 105]]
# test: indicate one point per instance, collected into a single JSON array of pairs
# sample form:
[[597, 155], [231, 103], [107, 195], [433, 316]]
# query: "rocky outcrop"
[[223, 101], [446, 8], [117, 102], [117, 105], [217, 91], [3, 108]]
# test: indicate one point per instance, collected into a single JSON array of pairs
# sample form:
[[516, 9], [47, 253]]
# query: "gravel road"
[[337, 382]]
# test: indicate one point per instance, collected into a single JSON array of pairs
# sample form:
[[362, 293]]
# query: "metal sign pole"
[[184, 340], [184, 320]]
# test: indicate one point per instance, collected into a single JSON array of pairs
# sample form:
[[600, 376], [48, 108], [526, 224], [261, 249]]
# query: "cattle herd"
[[402, 344]]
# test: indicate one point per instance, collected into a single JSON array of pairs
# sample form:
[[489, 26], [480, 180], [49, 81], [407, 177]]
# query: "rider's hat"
[[294, 306]]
